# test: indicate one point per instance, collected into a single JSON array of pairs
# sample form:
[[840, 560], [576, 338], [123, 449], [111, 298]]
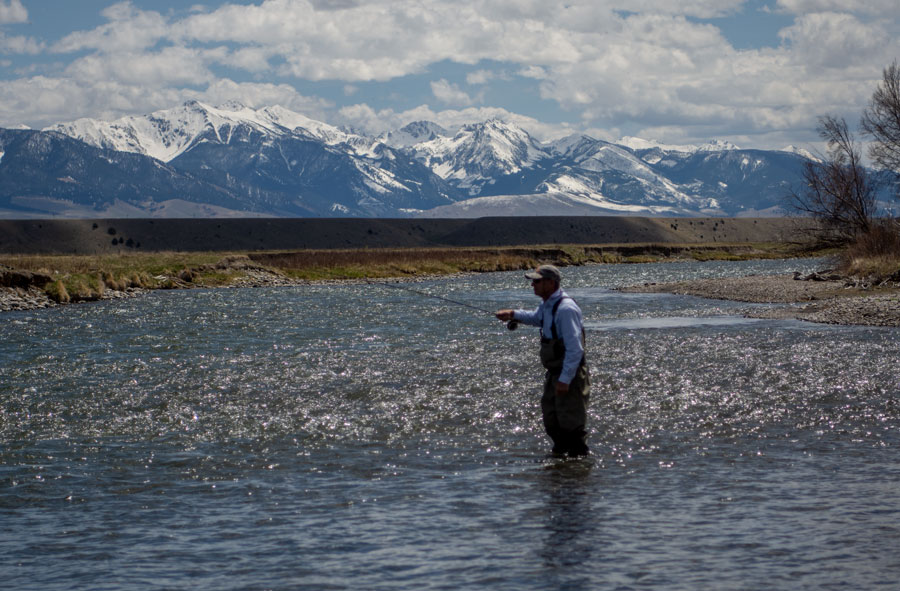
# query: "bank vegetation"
[[69, 278]]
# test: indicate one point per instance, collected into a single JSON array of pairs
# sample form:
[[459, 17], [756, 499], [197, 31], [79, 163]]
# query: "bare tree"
[[838, 190], [881, 121]]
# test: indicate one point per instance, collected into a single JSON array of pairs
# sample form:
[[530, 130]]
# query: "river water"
[[362, 437]]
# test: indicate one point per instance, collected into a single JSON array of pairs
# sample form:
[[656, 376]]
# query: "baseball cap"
[[545, 272]]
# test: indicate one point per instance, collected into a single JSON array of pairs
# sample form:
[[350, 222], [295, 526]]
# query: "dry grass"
[[86, 277], [356, 264], [371, 263], [153, 263], [876, 254]]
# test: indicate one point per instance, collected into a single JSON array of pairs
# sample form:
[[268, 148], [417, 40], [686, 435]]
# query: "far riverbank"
[[39, 281], [30, 282], [824, 298]]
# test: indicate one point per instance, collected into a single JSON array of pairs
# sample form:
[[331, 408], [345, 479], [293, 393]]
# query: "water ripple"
[[346, 437]]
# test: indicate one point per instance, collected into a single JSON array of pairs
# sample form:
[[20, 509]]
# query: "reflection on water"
[[358, 437], [572, 525]]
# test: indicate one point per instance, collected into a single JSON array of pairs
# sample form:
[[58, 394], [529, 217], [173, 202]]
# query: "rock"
[[32, 298], [814, 276]]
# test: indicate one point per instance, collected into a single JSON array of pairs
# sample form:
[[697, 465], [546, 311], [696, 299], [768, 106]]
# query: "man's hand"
[[505, 315], [562, 389]]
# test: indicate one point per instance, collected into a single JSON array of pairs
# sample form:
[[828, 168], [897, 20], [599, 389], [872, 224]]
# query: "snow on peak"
[[571, 143], [800, 152], [296, 122], [636, 143], [414, 133], [167, 133], [480, 151]]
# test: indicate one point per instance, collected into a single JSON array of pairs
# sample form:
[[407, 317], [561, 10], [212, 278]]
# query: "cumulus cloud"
[[657, 66], [883, 8], [41, 101], [480, 77], [171, 65], [450, 93], [19, 44], [127, 29], [835, 40], [12, 12]]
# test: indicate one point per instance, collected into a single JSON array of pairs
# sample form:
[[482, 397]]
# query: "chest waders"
[[565, 417]]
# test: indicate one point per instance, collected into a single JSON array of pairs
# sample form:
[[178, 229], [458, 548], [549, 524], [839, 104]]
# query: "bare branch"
[[837, 190], [881, 121]]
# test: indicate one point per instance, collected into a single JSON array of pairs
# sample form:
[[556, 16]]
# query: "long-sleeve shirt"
[[568, 328]]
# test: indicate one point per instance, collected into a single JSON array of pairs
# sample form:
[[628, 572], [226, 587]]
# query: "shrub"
[[57, 291], [882, 240], [875, 253]]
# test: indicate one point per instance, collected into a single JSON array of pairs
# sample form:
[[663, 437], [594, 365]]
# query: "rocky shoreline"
[[33, 298], [823, 298], [21, 290]]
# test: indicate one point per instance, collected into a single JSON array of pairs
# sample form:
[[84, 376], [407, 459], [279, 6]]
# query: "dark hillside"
[[128, 235]]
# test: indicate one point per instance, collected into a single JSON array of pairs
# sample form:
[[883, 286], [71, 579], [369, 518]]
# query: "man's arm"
[[523, 316]]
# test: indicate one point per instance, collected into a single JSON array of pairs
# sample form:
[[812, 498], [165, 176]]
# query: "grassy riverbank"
[[87, 277]]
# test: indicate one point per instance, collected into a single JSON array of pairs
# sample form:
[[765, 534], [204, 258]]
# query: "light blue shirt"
[[568, 328]]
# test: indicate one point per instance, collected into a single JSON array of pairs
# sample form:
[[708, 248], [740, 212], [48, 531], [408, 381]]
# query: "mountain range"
[[197, 160]]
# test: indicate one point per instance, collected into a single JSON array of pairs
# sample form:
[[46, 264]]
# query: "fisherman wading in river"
[[567, 382]]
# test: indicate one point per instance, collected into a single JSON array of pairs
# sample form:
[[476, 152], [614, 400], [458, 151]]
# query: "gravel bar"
[[829, 301]]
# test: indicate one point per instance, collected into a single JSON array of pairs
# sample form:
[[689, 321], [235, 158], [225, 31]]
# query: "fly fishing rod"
[[511, 325]]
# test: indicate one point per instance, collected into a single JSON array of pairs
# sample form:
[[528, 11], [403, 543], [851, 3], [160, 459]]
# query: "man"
[[567, 381]]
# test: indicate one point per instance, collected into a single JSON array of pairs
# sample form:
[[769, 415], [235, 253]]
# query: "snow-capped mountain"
[[636, 143], [414, 133], [478, 154], [167, 134], [197, 159], [279, 161]]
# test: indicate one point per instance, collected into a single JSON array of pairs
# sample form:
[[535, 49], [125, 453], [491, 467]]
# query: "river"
[[364, 437]]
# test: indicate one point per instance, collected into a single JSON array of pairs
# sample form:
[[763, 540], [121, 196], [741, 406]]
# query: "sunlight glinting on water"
[[353, 436]]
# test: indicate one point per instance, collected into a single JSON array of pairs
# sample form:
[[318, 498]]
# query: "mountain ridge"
[[234, 160]]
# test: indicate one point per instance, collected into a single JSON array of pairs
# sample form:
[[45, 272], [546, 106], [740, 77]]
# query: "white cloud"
[[128, 29], [171, 65], [536, 72], [251, 59], [450, 94], [648, 65], [12, 12], [881, 8], [835, 40], [41, 101], [480, 77], [20, 45]]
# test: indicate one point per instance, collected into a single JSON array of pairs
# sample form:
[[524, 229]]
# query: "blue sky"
[[754, 72]]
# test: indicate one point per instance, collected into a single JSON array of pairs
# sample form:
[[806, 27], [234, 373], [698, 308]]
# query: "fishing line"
[[511, 325]]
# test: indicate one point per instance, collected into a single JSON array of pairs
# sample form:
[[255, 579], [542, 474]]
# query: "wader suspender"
[[553, 327]]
